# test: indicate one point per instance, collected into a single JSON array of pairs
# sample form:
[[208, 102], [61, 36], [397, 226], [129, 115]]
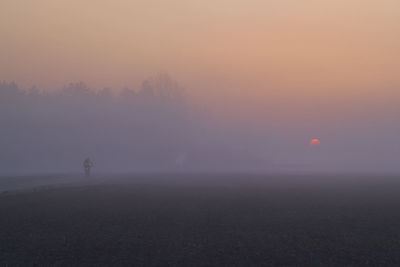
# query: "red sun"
[[315, 142]]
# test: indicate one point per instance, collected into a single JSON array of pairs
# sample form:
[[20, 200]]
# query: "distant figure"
[[87, 165]]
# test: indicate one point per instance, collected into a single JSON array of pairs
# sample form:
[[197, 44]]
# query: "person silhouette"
[[87, 165]]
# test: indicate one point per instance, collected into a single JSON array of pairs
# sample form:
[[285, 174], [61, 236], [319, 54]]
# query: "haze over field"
[[261, 79]]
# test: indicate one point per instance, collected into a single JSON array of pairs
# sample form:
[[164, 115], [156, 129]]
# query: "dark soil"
[[218, 221]]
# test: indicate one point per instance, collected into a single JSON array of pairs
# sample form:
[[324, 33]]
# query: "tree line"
[[153, 128]]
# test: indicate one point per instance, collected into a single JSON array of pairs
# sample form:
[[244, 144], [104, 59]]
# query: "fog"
[[251, 83], [159, 128], [152, 128]]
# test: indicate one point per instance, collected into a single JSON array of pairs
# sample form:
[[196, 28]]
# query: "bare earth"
[[200, 220]]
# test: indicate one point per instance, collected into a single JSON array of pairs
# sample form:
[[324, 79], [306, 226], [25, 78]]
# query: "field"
[[200, 220]]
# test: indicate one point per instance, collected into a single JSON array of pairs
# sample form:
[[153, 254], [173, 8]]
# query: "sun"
[[315, 142]]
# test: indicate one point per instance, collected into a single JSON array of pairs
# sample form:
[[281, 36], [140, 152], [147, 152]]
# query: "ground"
[[200, 220]]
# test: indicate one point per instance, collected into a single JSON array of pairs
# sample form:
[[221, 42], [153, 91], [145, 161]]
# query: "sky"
[[305, 44], [327, 69]]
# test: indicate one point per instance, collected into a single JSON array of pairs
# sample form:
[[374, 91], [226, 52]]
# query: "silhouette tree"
[[162, 85]]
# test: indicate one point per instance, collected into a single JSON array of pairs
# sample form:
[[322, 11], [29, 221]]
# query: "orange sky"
[[250, 50]]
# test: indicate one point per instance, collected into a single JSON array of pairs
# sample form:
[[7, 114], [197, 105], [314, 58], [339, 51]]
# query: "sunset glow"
[[315, 142]]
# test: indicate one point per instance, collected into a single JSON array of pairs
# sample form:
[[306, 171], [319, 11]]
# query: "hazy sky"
[[344, 42], [253, 53], [298, 69]]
